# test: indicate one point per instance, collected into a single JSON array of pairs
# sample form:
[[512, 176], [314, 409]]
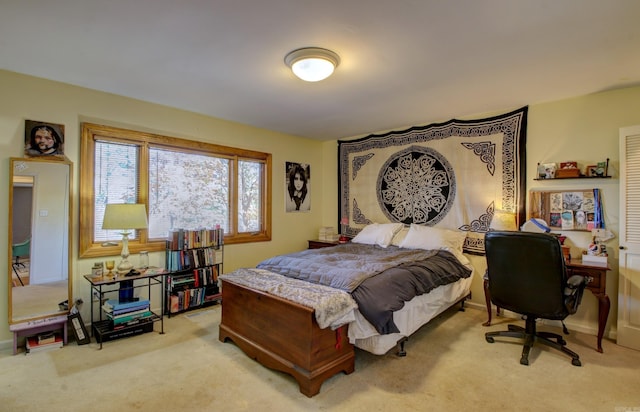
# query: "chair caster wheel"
[[524, 361], [489, 339], [576, 362]]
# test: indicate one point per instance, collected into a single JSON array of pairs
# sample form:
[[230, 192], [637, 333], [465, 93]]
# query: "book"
[[33, 346], [129, 318], [128, 314], [116, 305], [174, 304], [128, 310], [48, 337], [132, 322]]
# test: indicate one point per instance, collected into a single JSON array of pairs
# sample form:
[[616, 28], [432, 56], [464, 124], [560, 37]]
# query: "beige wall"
[[28, 98], [582, 129]]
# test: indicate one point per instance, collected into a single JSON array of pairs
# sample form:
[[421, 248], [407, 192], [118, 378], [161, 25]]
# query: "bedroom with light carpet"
[[449, 366]]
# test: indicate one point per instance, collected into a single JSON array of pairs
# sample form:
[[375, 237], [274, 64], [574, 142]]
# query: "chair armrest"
[[574, 282], [573, 291]]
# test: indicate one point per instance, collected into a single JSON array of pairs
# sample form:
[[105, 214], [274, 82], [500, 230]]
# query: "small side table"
[[34, 327]]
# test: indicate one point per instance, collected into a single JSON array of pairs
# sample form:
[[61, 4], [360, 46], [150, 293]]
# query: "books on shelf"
[[32, 344], [129, 316], [181, 239], [116, 307], [191, 298], [123, 324], [206, 276], [127, 313], [47, 337], [193, 258], [193, 262]]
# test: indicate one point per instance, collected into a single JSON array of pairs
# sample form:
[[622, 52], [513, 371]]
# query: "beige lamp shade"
[[123, 216], [503, 220]]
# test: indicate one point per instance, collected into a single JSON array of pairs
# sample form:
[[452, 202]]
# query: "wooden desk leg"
[[487, 298], [604, 304]]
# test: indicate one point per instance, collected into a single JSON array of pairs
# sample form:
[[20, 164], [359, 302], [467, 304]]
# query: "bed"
[[303, 313]]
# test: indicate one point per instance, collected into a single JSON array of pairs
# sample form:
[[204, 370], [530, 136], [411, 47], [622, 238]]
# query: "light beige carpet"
[[449, 367]]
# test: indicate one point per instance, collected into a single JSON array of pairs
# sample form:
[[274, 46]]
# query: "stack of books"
[[43, 342], [127, 313]]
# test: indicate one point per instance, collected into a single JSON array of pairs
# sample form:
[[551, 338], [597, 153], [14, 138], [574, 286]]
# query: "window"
[[183, 183]]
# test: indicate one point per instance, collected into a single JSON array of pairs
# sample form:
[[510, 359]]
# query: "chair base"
[[530, 336], [15, 267]]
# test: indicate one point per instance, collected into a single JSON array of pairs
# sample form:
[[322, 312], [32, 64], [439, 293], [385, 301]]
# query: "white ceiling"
[[403, 62]]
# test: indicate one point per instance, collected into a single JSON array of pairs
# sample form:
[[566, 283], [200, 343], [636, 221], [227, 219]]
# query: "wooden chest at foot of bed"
[[284, 336]]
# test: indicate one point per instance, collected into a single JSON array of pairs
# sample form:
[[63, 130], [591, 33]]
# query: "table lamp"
[[503, 220], [125, 216]]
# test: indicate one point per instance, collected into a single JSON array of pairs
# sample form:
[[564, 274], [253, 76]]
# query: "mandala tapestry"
[[451, 175]]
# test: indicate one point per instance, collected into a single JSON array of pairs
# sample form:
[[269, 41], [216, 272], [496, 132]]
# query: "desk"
[[597, 286]]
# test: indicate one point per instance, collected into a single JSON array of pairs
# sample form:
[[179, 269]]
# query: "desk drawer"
[[594, 274]]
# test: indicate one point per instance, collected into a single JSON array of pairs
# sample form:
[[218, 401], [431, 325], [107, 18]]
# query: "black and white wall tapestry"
[[452, 175]]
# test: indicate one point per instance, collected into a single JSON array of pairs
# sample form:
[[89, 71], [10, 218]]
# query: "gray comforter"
[[379, 279]]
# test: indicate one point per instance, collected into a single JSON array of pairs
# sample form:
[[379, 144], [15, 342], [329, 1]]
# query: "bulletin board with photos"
[[568, 209]]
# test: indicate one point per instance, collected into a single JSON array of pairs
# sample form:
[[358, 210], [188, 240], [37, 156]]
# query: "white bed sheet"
[[415, 313]]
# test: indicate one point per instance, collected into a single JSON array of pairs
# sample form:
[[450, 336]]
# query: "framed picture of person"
[[43, 139], [297, 193]]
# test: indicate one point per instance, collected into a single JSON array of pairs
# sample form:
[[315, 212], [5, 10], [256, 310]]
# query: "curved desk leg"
[[487, 299], [604, 304]]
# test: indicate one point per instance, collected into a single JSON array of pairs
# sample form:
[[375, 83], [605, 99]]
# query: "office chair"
[[527, 275], [19, 250]]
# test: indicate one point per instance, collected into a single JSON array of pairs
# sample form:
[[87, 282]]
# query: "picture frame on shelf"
[[602, 169], [550, 170], [591, 171], [541, 172]]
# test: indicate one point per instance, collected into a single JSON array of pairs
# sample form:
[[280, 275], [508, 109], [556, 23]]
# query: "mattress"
[[417, 312]]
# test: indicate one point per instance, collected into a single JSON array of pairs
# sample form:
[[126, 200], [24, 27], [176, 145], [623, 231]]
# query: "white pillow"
[[377, 234], [425, 237]]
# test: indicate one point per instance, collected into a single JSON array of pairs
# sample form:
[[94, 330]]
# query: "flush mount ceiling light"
[[312, 64]]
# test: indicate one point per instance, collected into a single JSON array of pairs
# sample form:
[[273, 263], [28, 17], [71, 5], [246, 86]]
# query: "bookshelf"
[[194, 261]]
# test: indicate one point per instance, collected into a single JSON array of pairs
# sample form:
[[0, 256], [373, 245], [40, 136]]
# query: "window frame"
[[91, 132]]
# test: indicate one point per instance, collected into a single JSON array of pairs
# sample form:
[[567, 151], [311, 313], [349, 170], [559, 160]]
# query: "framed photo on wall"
[[43, 139], [297, 192]]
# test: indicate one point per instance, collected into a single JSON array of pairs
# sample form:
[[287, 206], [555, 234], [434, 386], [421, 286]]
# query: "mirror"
[[39, 271]]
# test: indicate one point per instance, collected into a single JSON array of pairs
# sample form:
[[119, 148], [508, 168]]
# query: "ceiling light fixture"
[[312, 64]]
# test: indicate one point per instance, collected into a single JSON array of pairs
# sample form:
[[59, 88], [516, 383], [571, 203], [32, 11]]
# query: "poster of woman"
[[298, 198], [43, 139]]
